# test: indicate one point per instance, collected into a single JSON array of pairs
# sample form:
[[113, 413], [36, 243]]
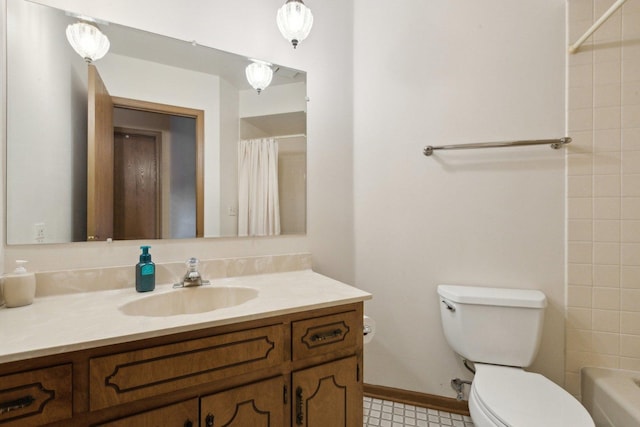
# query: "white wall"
[[444, 73], [273, 100], [44, 102], [229, 137], [248, 27]]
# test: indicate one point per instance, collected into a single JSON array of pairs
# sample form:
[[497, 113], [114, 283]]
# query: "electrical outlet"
[[38, 232], [233, 211]]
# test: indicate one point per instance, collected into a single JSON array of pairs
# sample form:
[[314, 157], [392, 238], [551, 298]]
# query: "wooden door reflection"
[[136, 179]]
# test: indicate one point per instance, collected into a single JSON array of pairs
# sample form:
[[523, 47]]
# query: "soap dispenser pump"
[[145, 272]]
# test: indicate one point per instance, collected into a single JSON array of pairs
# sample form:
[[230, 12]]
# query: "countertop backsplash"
[[61, 282]]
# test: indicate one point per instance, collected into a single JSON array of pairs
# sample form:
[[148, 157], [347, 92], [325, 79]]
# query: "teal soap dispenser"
[[145, 272]]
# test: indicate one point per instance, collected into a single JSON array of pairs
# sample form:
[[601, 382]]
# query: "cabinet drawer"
[[144, 373], [320, 335], [179, 415], [36, 397]]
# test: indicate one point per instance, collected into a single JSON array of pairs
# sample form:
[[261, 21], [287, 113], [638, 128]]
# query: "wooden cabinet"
[[36, 397], [298, 369], [262, 404], [328, 395], [148, 372]]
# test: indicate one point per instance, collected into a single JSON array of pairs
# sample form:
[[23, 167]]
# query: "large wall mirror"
[[176, 115]]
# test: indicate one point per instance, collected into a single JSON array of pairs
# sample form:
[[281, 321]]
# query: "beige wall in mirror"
[[46, 198]]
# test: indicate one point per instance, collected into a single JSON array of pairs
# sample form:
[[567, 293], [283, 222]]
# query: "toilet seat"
[[512, 397]]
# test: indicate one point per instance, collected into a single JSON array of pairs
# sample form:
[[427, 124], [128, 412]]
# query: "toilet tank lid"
[[530, 298]]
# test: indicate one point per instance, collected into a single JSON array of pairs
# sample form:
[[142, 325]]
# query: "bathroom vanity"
[[290, 356]]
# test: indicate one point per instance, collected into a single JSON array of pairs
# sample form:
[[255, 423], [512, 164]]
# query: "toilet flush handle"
[[450, 307]]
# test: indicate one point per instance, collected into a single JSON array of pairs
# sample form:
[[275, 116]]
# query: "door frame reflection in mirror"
[[198, 116]]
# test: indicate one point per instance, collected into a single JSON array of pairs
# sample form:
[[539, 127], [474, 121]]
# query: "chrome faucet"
[[192, 276]]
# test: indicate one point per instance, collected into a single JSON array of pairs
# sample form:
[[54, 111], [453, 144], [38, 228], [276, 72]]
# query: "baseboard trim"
[[415, 398]]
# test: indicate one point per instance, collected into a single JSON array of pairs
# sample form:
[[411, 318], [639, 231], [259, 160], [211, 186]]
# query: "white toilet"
[[499, 330]]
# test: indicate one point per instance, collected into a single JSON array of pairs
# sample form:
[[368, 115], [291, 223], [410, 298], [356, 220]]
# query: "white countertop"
[[63, 323]]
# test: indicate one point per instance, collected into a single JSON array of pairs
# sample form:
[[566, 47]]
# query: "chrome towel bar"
[[555, 144]]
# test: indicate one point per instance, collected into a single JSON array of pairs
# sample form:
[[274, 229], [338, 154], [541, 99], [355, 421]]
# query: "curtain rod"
[[574, 47], [295, 135], [555, 144]]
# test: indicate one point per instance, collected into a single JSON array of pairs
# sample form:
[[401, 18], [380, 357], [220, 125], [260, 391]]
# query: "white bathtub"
[[612, 396]]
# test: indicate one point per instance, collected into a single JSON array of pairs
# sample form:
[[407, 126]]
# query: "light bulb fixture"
[[294, 21], [259, 75], [87, 40]]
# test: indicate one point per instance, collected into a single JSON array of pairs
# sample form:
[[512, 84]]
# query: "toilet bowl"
[[504, 396], [499, 330]]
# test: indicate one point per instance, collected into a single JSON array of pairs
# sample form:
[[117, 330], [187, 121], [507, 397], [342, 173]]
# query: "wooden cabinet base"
[[286, 371]]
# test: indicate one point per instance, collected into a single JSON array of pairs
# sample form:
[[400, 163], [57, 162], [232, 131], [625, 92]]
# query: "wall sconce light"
[[259, 75], [88, 41], [294, 21]]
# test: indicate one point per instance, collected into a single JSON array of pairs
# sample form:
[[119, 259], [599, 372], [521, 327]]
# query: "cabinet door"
[[257, 405], [328, 395], [183, 414]]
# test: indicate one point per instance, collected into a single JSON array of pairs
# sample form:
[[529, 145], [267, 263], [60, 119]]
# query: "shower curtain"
[[258, 201]]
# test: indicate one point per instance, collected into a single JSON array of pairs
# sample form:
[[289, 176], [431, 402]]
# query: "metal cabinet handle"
[[299, 405], [209, 420], [326, 335], [14, 405], [188, 423]]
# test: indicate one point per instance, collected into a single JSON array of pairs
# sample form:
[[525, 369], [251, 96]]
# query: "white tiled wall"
[[603, 313]]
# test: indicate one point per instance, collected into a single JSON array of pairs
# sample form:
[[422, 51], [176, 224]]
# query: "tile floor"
[[383, 413]]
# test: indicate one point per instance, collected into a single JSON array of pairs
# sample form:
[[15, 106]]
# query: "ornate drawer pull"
[[326, 335], [14, 405]]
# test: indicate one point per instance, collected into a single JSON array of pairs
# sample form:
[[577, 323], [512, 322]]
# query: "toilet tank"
[[492, 325]]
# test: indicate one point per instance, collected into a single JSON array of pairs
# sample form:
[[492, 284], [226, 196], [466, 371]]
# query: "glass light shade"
[[259, 75], [88, 41], [294, 21]]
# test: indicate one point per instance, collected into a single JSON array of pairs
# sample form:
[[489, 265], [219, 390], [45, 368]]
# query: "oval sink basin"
[[189, 301]]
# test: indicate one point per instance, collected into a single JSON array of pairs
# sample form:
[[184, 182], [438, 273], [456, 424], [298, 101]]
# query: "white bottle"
[[19, 286]]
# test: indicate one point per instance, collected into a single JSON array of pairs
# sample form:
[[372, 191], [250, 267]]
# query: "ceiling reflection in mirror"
[[177, 113]]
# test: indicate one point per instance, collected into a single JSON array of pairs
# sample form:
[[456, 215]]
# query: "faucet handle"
[[192, 277], [192, 264]]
